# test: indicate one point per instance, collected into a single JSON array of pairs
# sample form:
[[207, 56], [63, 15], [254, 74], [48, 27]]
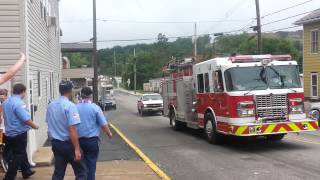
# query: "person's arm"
[[75, 142], [31, 124], [24, 115], [13, 70], [103, 122], [107, 130], [73, 121]]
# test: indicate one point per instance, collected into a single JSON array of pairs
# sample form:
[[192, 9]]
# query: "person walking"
[[17, 122], [63, 119], [92, 119]]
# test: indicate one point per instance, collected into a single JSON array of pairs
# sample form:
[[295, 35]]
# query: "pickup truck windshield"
[[260, 78], [151, 97]]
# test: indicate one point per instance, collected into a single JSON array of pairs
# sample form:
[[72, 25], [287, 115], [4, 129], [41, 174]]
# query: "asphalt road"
[[185, 155]]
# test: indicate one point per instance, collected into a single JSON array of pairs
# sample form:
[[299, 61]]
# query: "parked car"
[[107, 103], [150, 103]]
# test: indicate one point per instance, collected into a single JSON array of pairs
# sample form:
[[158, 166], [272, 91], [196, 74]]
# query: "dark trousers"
[[63, 152], [16, 155], [90, 148]]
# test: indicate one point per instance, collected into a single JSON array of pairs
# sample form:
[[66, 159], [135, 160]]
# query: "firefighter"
[[62, 119], [92, 119], [17, 122]]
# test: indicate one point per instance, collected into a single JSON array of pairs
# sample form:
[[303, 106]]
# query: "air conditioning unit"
[[52, 21]]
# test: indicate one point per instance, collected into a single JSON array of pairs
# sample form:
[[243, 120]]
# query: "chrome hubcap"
[[173, 122], [315, 114], [209, 129]]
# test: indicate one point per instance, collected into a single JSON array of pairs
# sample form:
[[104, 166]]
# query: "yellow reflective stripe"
[[309, 126], [282, 130], [270, 128], [240, 130], [294, 127]]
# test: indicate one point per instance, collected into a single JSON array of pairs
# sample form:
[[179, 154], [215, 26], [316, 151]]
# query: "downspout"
[[31, 133]]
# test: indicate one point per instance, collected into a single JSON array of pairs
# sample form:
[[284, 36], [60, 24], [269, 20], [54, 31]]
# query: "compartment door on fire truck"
[[218, 92]]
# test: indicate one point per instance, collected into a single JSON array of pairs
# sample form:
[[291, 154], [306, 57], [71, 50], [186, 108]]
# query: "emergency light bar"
[[258, 58]]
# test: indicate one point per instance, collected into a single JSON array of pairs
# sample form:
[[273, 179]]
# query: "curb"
[[144, 157]]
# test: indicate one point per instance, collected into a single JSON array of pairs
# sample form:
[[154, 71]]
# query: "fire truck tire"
[[275, 137], [210, 130], [176, 125]]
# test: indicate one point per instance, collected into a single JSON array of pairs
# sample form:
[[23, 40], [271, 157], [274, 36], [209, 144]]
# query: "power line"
[[290, 27], [155, 22], [287, 18], [290, 7]]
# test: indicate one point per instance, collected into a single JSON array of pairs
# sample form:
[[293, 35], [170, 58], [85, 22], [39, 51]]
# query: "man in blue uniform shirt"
[[62, 119], [17, 122], [92, 119]]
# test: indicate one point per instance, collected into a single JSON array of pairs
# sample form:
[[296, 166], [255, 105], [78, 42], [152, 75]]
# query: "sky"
[[134, 19]]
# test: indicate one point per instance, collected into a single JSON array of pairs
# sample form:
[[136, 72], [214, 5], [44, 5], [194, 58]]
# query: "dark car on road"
[[108, 103]]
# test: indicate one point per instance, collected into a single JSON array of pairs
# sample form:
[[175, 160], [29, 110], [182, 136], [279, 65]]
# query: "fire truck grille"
[[272, 107]]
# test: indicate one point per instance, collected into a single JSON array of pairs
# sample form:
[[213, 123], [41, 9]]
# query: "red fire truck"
[[245, 95]]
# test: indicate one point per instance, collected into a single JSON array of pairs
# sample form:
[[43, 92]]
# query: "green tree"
[[78, 59]]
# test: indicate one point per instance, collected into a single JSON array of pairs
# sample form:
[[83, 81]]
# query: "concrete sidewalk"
[[108, 170]]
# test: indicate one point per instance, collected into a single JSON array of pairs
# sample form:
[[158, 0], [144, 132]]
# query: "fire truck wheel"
[[275, 137], [210, 130], [176, 125]]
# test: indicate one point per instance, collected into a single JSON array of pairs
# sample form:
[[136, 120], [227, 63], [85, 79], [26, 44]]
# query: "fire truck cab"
[[251, 95]]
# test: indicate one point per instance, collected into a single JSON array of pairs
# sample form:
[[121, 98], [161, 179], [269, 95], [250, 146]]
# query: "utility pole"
[[94, 54], [135, 70], [259, 46], [115, 63], [195, 40]]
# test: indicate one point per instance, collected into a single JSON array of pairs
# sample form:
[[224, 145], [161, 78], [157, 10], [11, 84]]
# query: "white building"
[[32, 26]]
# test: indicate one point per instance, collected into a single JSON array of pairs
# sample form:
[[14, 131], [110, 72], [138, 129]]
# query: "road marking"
[[144, 157], [303, 140]]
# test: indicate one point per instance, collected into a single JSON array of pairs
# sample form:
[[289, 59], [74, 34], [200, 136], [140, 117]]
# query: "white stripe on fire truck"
[[200, 116]]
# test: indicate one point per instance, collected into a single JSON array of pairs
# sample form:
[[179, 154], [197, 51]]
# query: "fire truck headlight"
[[245, 109], [296, 106]]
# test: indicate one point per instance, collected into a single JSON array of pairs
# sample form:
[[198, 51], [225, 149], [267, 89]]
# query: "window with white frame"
[[314, 85], [314, 41], [39, 84]]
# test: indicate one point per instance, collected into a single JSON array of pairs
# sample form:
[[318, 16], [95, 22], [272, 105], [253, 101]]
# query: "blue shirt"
[[92, 119], [15, 114], [61, 114]]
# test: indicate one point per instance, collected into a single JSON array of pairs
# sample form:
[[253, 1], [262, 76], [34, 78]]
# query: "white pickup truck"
[[150, 103]]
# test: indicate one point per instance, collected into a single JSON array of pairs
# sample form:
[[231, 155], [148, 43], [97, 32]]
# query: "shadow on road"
[[249, 144]]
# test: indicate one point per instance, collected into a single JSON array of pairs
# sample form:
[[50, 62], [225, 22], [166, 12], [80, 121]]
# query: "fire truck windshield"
[[260, 78]]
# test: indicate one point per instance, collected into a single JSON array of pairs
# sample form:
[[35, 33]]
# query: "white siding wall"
[[11, 34], [45, 57]]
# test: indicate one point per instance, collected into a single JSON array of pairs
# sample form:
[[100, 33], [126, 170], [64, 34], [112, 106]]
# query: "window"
[[206, 82], [200, 83], [39, 84], [314, 42], [314, 85], [217, 81]]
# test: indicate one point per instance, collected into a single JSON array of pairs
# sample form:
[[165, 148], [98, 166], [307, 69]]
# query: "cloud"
[[76, 17]]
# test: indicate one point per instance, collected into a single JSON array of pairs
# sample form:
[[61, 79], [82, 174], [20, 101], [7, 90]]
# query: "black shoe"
[[27, 175]]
